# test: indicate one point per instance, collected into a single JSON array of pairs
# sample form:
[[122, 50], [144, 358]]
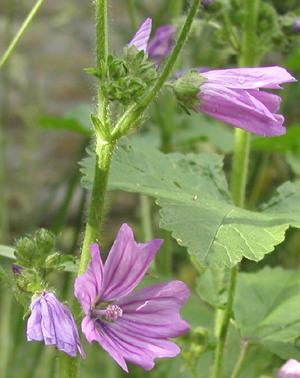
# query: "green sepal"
[[187, 87]]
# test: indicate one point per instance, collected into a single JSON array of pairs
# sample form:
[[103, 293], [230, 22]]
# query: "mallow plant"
[[251, 312]]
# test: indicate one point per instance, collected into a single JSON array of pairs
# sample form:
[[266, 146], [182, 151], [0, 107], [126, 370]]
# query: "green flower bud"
[[45, 241], [187, 87], [25, 249]]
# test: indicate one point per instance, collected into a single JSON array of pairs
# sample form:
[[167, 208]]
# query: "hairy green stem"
[[133, 114], [248, 57], [21, 31], [101, 31], [95, 217]]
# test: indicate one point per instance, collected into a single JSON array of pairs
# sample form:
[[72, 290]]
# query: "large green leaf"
[[267, 309], [196, 204]]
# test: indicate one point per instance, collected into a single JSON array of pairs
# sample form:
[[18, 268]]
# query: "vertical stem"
[[145, 206], [103, 149], [240, 164], [95, 217], [132, 14], [249, 52], [101, 31]]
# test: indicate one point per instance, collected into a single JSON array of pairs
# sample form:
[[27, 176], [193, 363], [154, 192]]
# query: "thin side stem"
[[21, 31], [242, 357], [219, 353], [133, 114]]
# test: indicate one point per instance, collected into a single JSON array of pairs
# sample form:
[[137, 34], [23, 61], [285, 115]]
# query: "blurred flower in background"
[[291, 369]]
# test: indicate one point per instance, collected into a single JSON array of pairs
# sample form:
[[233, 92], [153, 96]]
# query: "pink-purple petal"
[[88, 285], [92, 333], [154, 310], [250, 78], [126, 264], [141, 37], [270, 100], [138, 349], [239, 108]]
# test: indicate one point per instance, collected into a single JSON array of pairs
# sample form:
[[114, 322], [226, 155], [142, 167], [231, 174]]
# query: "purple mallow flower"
[[233, 96], [291, 369], [133, 326], [52, 321], [161, 44]]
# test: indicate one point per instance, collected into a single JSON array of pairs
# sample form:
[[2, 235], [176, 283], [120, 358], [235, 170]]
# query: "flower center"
[[111, 312]]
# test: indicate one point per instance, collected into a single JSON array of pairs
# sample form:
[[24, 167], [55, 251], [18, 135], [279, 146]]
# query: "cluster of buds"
[[126, 80]]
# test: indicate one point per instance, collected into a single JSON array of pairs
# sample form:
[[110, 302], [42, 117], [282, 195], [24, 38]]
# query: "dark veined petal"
[[94, 332], [122, 344], [250, 78], [126, 264], [88, 285], [153, 311], [241, 109], [270, 100], [141, 37], [52, 321]]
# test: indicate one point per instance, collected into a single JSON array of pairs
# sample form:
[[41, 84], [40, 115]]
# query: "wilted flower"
[[17, 269], [291, 369], [161, 44], [233, 96], [51, 321], [133, 326]]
